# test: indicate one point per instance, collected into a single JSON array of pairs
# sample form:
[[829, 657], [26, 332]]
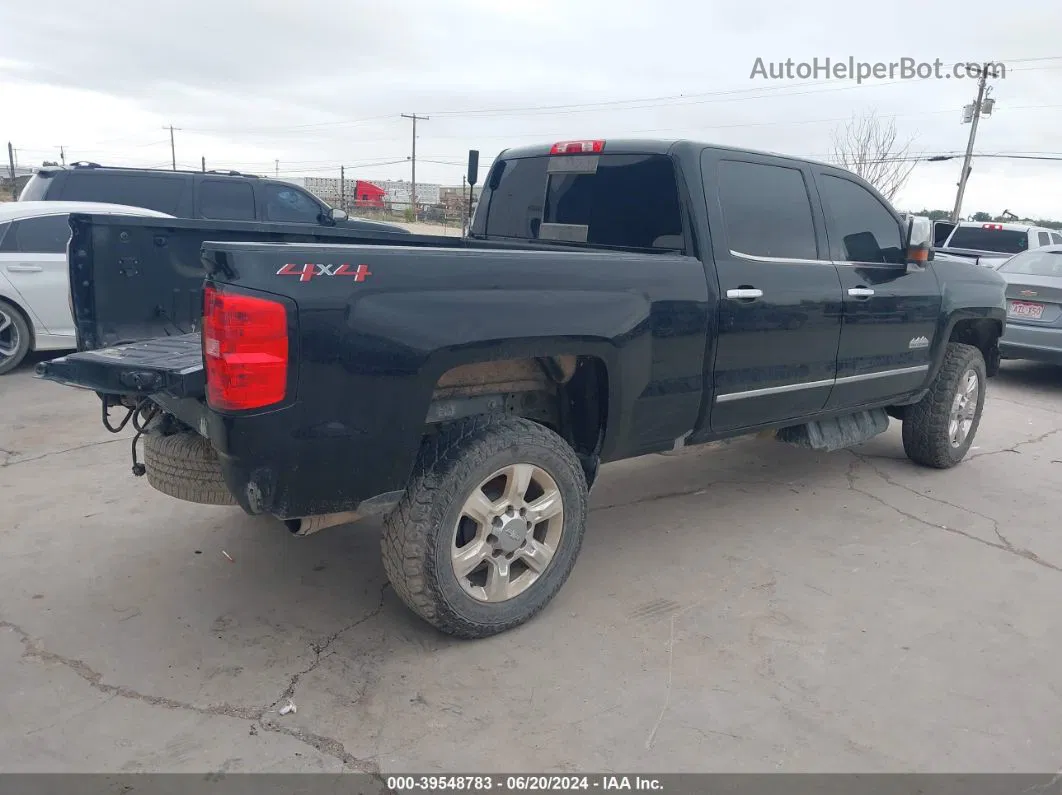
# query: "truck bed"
[[173, 365]]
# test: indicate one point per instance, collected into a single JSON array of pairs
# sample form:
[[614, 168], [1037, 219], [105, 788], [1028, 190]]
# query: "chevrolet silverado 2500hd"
[[613, 298]]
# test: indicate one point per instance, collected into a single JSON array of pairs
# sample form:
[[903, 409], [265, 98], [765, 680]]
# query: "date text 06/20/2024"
[[524, 783]]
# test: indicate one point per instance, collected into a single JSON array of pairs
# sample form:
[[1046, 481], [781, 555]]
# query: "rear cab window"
[[989, 238], [603, 200]]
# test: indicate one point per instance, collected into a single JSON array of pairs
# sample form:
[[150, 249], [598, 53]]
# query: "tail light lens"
[[245, 348]]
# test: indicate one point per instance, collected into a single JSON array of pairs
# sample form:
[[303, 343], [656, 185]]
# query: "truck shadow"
[[1025, 374], [336, 576]]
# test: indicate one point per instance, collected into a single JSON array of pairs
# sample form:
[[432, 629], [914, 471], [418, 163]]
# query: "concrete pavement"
[[750, 608]]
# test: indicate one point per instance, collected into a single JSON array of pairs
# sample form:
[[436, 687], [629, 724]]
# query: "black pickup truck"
[[612, 299]]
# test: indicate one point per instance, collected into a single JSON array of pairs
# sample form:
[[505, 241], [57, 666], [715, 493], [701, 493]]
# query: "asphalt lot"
[[750, 608]]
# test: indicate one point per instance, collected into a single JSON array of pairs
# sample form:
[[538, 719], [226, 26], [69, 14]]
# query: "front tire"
[[489, 527], [939, 429], [14, 337]]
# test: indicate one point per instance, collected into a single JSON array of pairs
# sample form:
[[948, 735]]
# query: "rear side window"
[[46, 235], [601, 200], [860, 227], [1044, 238], [766, 210], [1005, 241], [153, 191], [226, 200]]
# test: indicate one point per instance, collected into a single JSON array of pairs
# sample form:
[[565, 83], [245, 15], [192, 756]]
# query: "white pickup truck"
[[990, 244]]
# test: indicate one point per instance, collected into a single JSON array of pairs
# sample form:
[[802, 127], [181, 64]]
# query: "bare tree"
[[870, 147]]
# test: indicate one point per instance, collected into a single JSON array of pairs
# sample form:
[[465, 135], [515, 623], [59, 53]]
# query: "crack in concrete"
[[95, 679], [9, 463], [1004, 543], [690, 492], [257, 715], [322, 650], [1016, 447]]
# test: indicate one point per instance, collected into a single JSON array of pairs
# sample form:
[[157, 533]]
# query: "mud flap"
[[837, 433]]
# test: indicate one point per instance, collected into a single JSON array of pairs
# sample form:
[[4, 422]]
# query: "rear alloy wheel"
[[939, 429], [508, 533], [489, 527], [14, 337]]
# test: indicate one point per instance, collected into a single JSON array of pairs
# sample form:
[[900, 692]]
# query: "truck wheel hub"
[[511, 532]]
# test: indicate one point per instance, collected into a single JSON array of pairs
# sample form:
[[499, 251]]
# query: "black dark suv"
[[211, 195]]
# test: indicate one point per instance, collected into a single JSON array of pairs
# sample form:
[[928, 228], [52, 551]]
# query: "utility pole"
[[413, 191], [173, 148], [342, 189], [971, 114], [204, 164], [62, 155], [276, 164]]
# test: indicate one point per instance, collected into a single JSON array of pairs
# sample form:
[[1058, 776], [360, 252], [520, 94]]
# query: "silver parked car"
[[34, 283], [1034, 305]]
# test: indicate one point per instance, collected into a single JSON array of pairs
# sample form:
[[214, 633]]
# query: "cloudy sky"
[[320, 84]]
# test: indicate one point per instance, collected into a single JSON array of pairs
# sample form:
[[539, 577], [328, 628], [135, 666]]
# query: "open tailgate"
[[173, 365]]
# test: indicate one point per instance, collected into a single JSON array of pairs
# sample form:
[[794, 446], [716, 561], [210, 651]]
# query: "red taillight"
[[577, 147], [991, 226], [245, 347]]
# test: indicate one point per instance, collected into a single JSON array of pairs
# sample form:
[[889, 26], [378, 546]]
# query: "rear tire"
[[939, 429], [15, 336], [185, 466], [474, 468]]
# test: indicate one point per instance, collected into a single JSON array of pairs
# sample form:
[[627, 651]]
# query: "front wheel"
[[939, 429], [489, 527]]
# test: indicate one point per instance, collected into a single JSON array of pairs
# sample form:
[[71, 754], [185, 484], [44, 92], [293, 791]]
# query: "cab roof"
[[648, 146]]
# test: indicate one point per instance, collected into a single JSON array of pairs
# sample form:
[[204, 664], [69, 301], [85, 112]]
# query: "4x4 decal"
[[309, 270]]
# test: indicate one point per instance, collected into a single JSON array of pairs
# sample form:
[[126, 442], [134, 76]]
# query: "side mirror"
[[338, 215], [919, 239], [473, 166]]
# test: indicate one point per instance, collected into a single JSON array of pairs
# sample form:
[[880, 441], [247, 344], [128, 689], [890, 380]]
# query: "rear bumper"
[[270, 472], [1021, 341]]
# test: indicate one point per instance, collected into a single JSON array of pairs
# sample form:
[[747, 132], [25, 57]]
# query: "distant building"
[[349, 192], [399, 193]]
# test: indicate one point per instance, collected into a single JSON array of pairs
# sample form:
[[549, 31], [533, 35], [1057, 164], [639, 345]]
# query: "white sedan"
[[34, 281]]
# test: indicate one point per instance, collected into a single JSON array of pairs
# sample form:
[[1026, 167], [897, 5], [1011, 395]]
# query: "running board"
[[837, 433]]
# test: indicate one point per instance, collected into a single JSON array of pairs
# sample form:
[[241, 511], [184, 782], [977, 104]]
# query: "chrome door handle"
[[745, 292], [860, 292], [25, 268]]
